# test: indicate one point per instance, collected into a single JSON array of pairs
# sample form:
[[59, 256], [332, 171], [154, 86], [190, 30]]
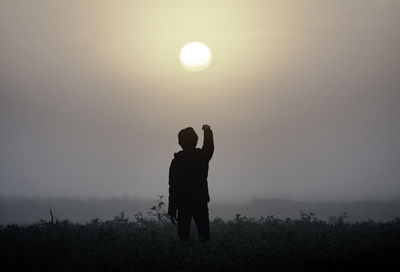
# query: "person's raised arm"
[[208, 143]]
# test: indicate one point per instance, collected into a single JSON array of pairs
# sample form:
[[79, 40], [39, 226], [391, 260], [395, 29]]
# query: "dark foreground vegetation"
[[242, 244]]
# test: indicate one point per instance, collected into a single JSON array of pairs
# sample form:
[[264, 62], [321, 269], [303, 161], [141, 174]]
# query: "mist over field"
[[22, 210]]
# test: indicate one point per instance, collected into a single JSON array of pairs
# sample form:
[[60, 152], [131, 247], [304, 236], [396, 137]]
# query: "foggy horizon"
[[222, 199], [303, 97]]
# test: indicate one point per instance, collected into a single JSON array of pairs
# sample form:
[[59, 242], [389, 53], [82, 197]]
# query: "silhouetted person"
[[188, 188]]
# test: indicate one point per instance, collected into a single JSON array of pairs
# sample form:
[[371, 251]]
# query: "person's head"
[[187, 138]]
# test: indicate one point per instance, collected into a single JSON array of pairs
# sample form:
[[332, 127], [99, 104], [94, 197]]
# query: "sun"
[[195, 56]]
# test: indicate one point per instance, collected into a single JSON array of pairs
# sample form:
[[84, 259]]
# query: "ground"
[[242, 244]]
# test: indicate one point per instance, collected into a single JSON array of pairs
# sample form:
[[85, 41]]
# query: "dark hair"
[[187, 138]]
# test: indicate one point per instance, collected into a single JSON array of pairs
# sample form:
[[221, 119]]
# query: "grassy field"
[[241, 244]]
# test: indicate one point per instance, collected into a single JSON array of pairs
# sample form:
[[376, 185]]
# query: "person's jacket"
[[188, 175]]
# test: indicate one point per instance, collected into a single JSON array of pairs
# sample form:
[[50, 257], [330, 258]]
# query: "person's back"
[[188, 186]]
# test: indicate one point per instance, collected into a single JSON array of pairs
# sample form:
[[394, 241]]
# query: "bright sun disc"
[[195, 56]]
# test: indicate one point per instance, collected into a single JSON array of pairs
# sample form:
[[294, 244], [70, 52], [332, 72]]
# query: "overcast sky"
[[303, 97]]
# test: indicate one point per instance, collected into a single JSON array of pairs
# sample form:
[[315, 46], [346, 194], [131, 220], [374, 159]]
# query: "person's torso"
[[192, 172]]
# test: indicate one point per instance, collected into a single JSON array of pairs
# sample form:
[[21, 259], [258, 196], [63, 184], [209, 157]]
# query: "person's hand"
[[172, 216], [174, 220], [205, 127]]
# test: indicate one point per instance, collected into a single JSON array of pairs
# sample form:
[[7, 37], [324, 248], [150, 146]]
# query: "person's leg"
[[184, 220], [202, 221]]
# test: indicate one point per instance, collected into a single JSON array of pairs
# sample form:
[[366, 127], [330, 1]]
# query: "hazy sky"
[[303, 96]]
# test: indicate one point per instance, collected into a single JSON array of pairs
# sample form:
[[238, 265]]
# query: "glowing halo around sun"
[[195, 56]]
